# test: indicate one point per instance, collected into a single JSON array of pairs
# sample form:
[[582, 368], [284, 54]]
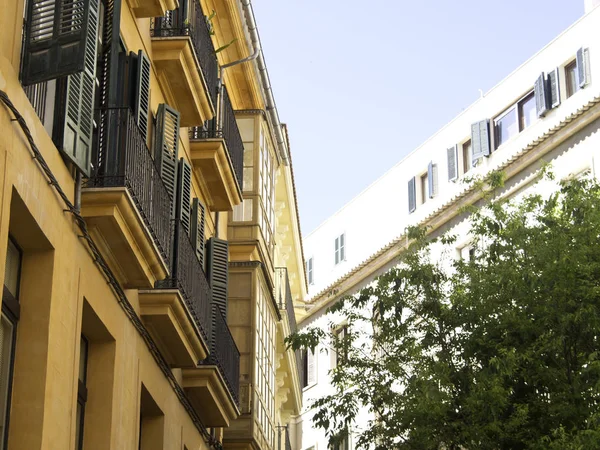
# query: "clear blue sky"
[[362, 83]]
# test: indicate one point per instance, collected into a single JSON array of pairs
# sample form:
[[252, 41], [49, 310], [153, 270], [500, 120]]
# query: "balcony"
[[124, 203], [151, 8], [215, 385], [217, 153], [185, 59], [178, 310]]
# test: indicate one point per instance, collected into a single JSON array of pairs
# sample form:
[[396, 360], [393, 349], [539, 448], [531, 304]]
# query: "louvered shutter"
[[198, 226], [79, 103], [412, 195], [452, 153], [343, 247], [184, 194], [541, 95], [432, 182], [480, 139], [142, 100], [218, 267], [311, 368], [582, 70], [167, 148], [55, 38]]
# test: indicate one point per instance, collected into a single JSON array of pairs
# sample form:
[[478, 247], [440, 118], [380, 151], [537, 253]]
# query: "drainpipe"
[[266, 83], [77, 199]]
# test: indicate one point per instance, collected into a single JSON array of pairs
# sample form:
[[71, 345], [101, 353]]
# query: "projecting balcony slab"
[[166, 316], [210, 396], [152, 8], [210, 159], [180, 76], [117, 228]]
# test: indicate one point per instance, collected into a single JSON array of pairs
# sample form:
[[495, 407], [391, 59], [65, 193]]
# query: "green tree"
[[499, 351]]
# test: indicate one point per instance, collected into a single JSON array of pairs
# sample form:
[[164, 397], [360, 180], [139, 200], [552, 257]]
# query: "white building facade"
[[546, 111]]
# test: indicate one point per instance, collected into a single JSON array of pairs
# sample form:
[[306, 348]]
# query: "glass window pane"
[[466, 148], [83, 356], [527, 111], [248, 179], [7, 329], [571, 78], [12, 269], [506, 127]]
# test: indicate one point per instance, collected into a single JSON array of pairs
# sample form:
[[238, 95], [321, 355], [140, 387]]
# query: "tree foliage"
[[496, 351]]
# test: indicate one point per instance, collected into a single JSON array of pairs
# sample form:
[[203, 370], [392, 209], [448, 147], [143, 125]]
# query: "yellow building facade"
[[149, 237]]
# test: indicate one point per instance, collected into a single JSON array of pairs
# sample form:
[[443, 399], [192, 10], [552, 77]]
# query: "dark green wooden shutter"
[[79, 104], [55, 38], [582, 70], [167, 148], [198, 226], [218, 266], [412, 195], [480, 139], [553, 88], [541, 95], [432, 182], [142, 100], [184, 194], [452, 153]]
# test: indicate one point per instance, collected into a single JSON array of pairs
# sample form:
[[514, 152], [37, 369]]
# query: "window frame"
[[11, 311], [516, 109], [340, 332], [423, 188], [466, 155], [82, 393], [307, 383], [571, 66], [340, 248], [310, 268]]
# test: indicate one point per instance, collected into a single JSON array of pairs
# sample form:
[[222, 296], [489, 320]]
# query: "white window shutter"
[[311, 376]]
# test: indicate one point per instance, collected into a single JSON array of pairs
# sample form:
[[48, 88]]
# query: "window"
[[81, 391], [514, 120], [527, 112], [309, 271], [340, 248], [571, 78], [8, 333], [466, 156], [341, 441], [264, 367], [423, 186], [310, 369], [506, 126], [341, 354]]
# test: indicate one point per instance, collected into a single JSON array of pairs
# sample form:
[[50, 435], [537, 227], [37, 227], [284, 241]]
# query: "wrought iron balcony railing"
[[225, 126], [189, 20], [122, 159], [224, 353], [188, 276], [283, 297]]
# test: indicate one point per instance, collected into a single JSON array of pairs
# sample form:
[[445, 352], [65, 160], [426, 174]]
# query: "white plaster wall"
[[380, 213]]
